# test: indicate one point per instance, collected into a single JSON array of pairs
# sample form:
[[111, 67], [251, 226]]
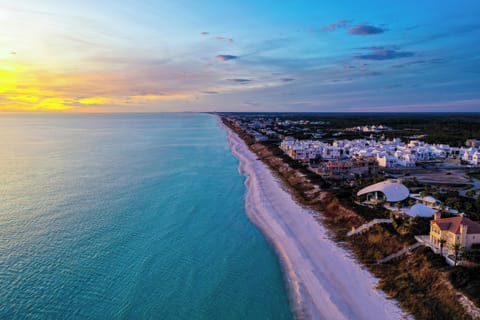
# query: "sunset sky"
[[190, 55]]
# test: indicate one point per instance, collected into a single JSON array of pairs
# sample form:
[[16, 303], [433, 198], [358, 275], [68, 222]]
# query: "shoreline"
[[324, 282]]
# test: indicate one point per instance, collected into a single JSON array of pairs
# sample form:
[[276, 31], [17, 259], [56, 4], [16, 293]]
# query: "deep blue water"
[[137, 216]]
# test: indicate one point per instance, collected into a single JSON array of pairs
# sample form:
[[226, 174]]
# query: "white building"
[[386, 160], [389, 153], [385, 191]]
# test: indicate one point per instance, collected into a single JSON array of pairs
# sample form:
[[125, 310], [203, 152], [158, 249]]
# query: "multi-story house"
[[456, 230]]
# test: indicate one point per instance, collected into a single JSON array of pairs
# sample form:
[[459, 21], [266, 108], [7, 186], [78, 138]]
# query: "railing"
[[366, 226], [400, 253]]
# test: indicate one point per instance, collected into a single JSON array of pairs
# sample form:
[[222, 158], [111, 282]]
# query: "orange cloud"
[[95, 100], [26, 88]]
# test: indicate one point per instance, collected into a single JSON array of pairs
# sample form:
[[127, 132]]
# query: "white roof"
[[420, 210], [430, 199], [393, 190]]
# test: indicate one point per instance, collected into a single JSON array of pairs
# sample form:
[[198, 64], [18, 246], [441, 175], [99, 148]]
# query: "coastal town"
[[396, 198], [240, 160]]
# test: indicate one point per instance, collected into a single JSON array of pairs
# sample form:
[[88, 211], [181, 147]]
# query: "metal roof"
[[394, 191], [420, 210]]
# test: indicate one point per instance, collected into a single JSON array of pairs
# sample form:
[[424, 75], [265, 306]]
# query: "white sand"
[[325, 283]]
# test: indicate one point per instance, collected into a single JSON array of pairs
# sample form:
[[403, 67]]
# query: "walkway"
[[400, 253], [366, 226]]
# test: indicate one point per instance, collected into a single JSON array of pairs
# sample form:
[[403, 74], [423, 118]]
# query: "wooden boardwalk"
[[400, 253], [366, 226]]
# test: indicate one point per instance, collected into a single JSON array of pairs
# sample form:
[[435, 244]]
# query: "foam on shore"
[[324, 281]]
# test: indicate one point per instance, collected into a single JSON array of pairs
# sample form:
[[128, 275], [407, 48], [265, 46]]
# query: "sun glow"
[[24, 87], [21, 91]]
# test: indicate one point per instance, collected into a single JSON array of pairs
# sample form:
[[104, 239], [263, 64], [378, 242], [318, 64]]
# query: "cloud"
[[211, 92], [412, 27], [380, 54], [410, 63], [393, 86], [453, 31], [340, 80], [240, 80], [379, 48], [370, 74], [229, 40], [365, 30], [287, 79], [337, 24], [415, 62], [217, 38], [225, 57]]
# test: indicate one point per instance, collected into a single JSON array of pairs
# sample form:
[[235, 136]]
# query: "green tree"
[[458, 205], [414, 181], [450, 201], [470, 193], [442, 207], [468, 206], [456, 247]]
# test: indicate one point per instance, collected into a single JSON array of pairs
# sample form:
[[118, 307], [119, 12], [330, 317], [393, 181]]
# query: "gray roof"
[[394, 191], [420, 210]]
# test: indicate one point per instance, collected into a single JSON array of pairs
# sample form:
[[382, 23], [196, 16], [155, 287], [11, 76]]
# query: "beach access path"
[[324, 281]]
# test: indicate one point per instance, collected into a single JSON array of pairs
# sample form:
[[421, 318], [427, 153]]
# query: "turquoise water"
[[128, 217]]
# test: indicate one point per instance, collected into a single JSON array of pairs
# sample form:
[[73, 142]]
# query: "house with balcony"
[[455, 230]]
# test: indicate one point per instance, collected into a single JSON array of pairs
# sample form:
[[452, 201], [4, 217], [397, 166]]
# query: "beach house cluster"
[[447, 236], [388, 153], [391, 192], [305, 150], [372, 128], [471, 156]]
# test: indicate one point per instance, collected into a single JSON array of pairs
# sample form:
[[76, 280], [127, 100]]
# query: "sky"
[[252, 55]]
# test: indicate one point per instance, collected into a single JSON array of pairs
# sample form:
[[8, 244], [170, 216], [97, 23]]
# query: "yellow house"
[[455, 230]]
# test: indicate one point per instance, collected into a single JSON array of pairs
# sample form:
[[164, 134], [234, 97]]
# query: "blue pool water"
[[137, 216]]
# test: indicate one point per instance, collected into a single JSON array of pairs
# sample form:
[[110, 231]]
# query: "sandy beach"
[[324, 281]]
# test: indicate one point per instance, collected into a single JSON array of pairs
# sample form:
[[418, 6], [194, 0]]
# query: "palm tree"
[[456, 247], [442, 243], [442, 207]]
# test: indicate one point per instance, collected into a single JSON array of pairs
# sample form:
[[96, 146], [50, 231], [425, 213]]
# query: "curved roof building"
[[421, 210], [392, 190]]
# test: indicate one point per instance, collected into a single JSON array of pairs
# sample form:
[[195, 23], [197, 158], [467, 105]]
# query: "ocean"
[[128, 216]]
